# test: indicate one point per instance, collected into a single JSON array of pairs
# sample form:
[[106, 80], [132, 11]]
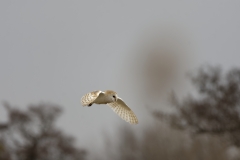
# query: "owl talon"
[[90, 105]]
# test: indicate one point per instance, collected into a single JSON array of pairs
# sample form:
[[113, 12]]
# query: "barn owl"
[[113, 101]]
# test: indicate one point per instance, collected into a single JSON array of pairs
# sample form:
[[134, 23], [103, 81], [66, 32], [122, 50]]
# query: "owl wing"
[[90, 97], [123, 111]]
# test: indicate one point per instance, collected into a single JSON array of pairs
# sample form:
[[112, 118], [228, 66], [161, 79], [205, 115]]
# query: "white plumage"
[[113, 101]]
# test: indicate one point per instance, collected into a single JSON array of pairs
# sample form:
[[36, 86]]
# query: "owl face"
[[115, 97], [112, 95]]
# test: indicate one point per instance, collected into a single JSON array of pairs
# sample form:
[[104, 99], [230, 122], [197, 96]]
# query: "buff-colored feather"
[[90, 97], [123, 111], [111, 99]]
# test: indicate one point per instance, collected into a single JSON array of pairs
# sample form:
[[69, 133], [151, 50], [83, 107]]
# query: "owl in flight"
[[113, 101]]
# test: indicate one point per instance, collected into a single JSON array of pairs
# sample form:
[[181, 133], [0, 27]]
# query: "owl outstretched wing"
[[88, 98], [123, 111]]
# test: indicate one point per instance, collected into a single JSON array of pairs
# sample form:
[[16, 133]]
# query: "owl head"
[[112, 95]]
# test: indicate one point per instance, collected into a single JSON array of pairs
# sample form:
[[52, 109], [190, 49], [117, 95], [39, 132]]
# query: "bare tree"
[[32, 135], [216, 108], [161, 142]]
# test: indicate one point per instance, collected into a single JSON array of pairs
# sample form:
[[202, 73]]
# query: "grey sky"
[[56, 51]]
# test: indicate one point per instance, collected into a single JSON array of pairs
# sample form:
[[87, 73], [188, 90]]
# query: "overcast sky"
[[56, 51]]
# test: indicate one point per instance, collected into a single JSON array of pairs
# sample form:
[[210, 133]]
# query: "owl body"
[[113, 101], [103, 99], [99, 97]]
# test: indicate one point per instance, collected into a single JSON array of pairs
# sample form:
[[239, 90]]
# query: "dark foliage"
[[32, 135], [216, 108]]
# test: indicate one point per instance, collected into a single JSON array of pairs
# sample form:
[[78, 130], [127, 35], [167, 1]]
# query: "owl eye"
[[114, 96]]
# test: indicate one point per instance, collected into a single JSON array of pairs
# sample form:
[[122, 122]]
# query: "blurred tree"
[[216, 110], [129, 145], [213, 113], [32, 135], [161, 142]]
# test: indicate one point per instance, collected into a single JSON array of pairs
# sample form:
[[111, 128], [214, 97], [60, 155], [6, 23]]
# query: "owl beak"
[[116, 98]]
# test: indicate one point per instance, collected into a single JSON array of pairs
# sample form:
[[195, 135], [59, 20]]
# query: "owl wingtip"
[[134, 122]]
